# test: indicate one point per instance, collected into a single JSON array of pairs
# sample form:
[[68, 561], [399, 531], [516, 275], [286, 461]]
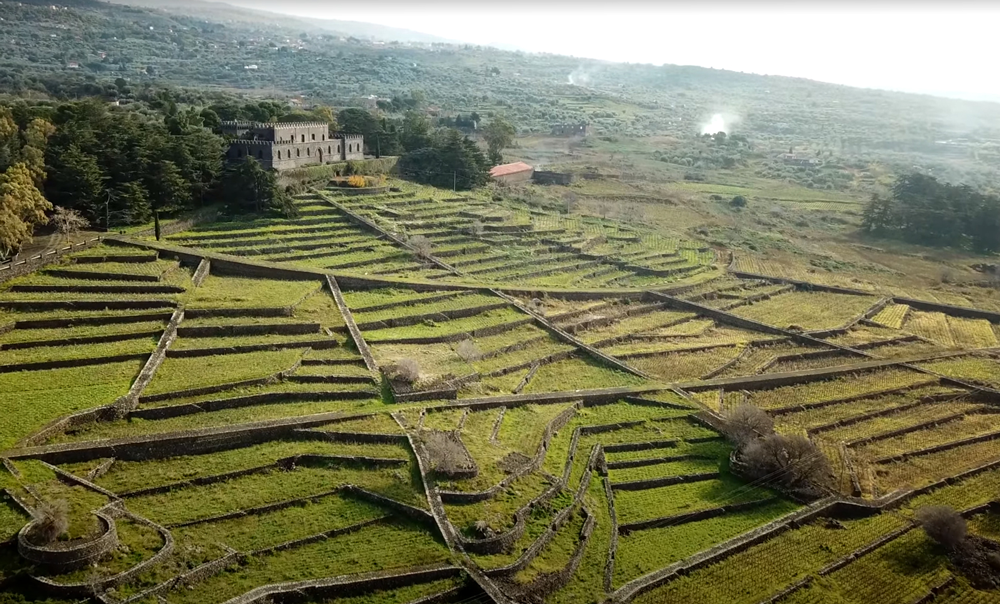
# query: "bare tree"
[[468, 350], [51, 521], [746, 423], [447, 454], [68, 221], [421, 245], [793, 461], [404, 370], [943, 524]]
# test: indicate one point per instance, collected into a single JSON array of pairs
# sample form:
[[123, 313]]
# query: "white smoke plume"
[[719, 123], [578, 77]]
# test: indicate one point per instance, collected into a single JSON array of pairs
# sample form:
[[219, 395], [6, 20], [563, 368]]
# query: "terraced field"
[[419, 397]]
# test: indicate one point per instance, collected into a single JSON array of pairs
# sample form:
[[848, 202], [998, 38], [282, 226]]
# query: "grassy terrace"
[[874, 417]]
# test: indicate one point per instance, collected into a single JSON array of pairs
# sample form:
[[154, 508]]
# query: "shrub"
[[468, 350], [746, 423], [51, 521], [421, 245], [68, 221], [943, 524], [447, 454], [738, 202], [404, 370], [356, 181], [794, 461]]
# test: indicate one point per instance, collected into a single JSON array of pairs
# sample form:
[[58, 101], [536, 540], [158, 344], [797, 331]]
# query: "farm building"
[[569, 130], [290, 145], [510, 173]]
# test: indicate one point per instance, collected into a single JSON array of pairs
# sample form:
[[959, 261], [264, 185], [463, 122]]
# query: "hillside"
[[957, 139]]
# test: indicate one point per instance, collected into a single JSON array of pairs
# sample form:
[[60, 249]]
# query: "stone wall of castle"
[[287, 146]]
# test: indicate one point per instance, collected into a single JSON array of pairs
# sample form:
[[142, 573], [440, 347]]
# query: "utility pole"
[[107, 213]]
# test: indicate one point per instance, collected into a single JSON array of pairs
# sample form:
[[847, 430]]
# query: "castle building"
[[290, 145]]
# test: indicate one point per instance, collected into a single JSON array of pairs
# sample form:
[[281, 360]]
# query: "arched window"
[[324, 136], [328, 150], [314, 136], [309, 152], [303, 138], [279, 154], [297, 154]]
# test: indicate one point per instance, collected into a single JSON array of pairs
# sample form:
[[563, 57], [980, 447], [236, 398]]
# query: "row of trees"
[[920, 209], [22, 173]]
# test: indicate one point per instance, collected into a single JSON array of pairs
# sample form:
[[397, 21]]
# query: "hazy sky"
[[944, 48]]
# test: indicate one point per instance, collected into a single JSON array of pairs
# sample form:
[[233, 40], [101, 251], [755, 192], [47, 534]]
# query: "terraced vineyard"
[[420, 397]]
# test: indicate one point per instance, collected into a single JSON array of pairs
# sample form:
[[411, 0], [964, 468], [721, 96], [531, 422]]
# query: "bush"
[[447, 454], [421, 245], [943, 524], [793, 461], [404, 370], [739, 202], [468, 350], [51, 522], [68, 221], [746, 423]]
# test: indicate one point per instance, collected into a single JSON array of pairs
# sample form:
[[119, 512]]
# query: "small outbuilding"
[[511, 173]]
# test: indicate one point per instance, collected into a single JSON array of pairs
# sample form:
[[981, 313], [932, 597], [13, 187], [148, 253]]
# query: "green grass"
[[238, 292], [184, 343], [580, 374], [464, 301], [643, 552], [61, 352], [250, 533], [137, 542], [83, 331], [193, 503], [432, 329], [179, 373], [807, 310], [634, 506], [556, 555], [393, 545], [399, 595], [12, 518], [761, 571], [31, 399], [127, 476], [228, 417]]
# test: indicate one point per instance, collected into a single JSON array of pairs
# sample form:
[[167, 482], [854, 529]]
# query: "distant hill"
[[221, 11]]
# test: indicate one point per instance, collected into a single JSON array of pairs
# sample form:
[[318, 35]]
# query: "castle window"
[[324, 136], [303, 138], [328, 150], [260, 154], [314, 136], [297, 154], [309, 152], [279, 154]]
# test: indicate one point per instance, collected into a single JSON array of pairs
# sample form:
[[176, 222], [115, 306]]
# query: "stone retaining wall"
[[124, 337], [66, 556], [249, 400], [678, 519], [299, 592], [444, 315], [99, 276], [223, 331], [665, 481], [352, 327], [609, 566], [98, 321], [85, 362], [319, 344], [274, 377], [99, 289], [200, 313]]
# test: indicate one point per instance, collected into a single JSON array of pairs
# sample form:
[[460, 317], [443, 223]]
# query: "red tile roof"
[[505, 169]]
